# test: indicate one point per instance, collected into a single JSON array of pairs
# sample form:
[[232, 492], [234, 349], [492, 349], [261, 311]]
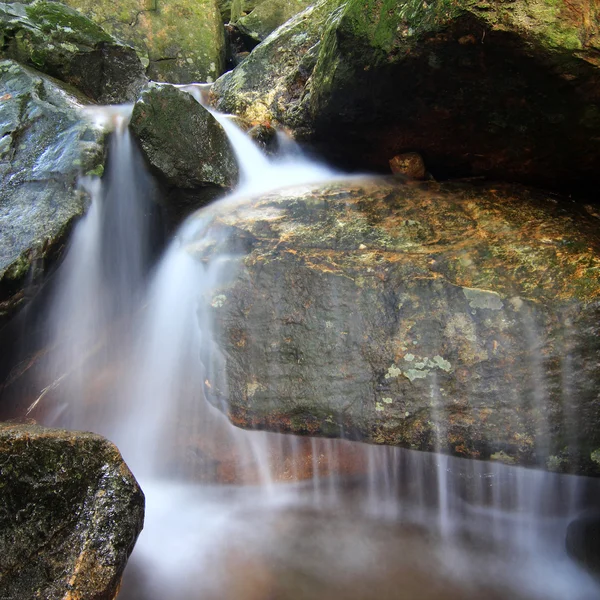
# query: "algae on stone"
[[59, 41], [182, 41]]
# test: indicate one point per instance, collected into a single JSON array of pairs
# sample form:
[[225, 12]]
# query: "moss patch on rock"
[[63, 43], [181, 41]]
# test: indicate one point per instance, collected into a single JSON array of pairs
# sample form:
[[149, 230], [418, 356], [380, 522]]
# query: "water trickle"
[[135, 357]]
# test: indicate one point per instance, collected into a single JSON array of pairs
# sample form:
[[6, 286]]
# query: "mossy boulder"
[[45, 144], [182, 140], [501, 89], [59, 41], [268, 85], [71, 513], [458, 318], [181, 41], [268, 16]]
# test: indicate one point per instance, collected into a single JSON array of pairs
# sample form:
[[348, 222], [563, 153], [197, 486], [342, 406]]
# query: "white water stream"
[[244, 515]]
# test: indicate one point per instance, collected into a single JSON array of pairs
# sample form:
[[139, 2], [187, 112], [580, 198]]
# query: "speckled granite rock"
[[70, 514], [457, 317]]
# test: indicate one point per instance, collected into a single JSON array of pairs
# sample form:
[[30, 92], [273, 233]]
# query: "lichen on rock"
[[355, 324]]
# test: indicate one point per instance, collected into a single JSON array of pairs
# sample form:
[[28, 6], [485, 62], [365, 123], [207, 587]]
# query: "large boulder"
[[181, 41], [45, 144], [509, 90], [182, 140], [59, 41], [458, 318], [268, 16], [71, 513]]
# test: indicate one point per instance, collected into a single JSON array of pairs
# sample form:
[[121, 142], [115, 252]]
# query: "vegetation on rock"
[[181, 41], [435, 317], [59, 41], [508, 90]]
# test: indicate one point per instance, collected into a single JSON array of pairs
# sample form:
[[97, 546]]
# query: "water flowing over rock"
[[44, 145], [454, 318], [71, 514], [61, 42], [181, 41], [182, 140], [506, 90]]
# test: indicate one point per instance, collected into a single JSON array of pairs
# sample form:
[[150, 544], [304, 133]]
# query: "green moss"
[[52, 17], [97, 171], [19, 268], [595, 456]]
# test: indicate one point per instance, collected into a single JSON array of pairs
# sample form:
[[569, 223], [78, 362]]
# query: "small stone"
[[409, 164]]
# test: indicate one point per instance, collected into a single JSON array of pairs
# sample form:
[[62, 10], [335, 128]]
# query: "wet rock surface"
[[71, 514], [182, 140], [44, 145], [461, 318], [63, 43], [508, 90], [180, 41]]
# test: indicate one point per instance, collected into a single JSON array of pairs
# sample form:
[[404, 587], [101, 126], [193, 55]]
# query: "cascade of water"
[[101, 279], [164, 419]]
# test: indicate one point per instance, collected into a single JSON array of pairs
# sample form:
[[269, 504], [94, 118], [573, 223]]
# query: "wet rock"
[[61, 42], [583, 541], [180, 41], [266, 137], [409, 164], [44, 145], [71, 514], [268, 16], [456, 317], [506, 90], [182, 140]]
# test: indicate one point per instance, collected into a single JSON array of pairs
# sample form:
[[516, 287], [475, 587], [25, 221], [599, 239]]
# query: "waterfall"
[[248, 514]]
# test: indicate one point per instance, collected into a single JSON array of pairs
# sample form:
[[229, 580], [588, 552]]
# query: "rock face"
[[268, 85], [449, 317], [44, 145], [71, 514], [61, 42], [268, 16], [182, 140], [181, 41], [509, 90]]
